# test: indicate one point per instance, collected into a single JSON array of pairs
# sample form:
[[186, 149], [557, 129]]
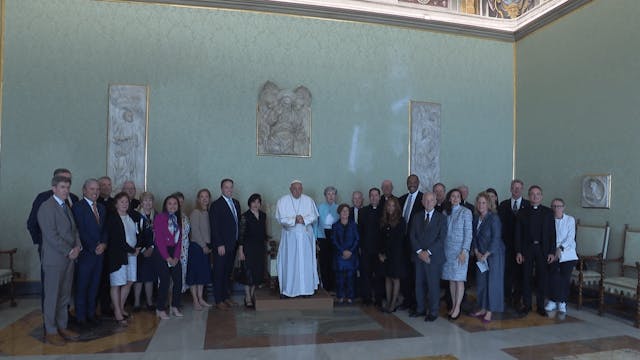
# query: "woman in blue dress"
[[489, 250], [456, 248], [345, 261]]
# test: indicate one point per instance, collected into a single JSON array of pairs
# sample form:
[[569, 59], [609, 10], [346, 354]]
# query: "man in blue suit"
[[224, 216], [89, 216]]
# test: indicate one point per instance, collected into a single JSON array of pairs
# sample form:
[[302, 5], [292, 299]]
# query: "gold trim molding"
[[383, 13]]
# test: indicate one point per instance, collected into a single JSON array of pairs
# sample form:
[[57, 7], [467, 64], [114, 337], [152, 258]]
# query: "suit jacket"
[[118, 249], [224, 228], [352, 213], [59, 233], [429, 236], [32, 221], [417, 206], [109, 204], [381, 204], [90, 231], [508, 220], [524, 231], [369, 229], [488, 237], [468, 206]]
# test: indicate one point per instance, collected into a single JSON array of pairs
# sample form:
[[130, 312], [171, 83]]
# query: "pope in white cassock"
[[297, 267]]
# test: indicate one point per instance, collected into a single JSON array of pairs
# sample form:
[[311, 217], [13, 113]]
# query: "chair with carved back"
[[626, 283], [592, 242], [8, 275]]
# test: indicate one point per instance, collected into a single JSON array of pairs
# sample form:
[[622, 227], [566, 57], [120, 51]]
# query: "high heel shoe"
[[454, 318], [248, 304], [162, 315], [175, 312]]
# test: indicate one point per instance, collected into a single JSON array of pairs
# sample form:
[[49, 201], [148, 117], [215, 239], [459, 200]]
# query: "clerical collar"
[[535, 207]]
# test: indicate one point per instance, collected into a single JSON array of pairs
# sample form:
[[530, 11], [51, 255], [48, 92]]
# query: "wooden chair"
[[627, 284], [8, 276], [591, 245]]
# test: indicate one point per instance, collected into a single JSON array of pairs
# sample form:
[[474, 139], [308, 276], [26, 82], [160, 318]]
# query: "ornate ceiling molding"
[[388, 12]]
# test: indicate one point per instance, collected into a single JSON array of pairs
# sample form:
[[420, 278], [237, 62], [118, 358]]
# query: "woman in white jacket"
[[566, 258]]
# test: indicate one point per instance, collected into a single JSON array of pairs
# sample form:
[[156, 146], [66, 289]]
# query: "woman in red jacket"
[[168, 243]]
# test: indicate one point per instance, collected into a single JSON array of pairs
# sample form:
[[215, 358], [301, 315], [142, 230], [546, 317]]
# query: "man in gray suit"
[[427, 235], [60, 247]]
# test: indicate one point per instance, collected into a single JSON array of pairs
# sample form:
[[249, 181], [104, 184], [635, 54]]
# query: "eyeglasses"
[[557, 206]]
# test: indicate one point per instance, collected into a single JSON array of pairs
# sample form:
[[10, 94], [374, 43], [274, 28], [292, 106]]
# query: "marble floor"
[[347, 332]]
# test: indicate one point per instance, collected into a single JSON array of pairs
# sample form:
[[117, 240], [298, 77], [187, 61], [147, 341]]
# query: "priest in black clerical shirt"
[[371, 277], [535, 246]]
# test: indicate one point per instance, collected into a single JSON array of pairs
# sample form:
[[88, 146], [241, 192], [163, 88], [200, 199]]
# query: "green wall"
[[205, 68], [577, 109]]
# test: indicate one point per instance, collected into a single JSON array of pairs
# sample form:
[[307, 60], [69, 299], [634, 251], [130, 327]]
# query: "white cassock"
[[297, 267]]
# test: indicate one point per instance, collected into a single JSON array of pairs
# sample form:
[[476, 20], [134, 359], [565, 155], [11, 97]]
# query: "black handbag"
[[241, 274]]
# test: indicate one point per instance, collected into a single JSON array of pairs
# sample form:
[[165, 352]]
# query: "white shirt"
[[517, 201], [411, 198]]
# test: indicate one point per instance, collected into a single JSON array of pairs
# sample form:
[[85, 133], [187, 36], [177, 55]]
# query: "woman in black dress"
[[392, 251], [251, 249], [146, 272]]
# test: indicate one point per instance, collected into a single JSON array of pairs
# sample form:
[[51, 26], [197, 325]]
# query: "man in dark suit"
[[60, 247], [371, 275], [130, 188], [223, 216], [105, 193], [440, 192], [507, 211], [428, 235], [464, 193], [105, 287], [410, 205], [535, 245], [357, 201], [387, 192], [90, 219]]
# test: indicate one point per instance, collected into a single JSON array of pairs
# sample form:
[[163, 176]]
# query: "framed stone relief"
[[424, 142], [127, 134], [595, 191], [283, 121]]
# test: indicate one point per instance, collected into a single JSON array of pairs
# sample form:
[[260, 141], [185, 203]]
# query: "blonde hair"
[[490, 204], [143, 196]]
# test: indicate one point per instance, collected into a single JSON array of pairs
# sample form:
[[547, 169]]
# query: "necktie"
[[233, 210], [407, 209], [355, 214], [65, 208], [95, 212], [515, 206], [428, 218]]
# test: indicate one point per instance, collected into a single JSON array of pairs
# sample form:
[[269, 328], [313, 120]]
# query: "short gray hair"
[[330, 189], [89, 181]]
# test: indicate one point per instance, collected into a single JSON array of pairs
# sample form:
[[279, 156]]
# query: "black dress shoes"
[[524, 311], [541, 312], [417, 314], [430, 318]]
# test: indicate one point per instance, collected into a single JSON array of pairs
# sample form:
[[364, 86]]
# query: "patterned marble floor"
[[349, 332]]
